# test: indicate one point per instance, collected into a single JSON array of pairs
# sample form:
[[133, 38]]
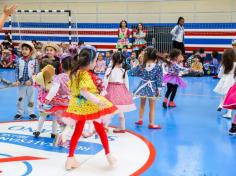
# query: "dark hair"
[[214, 54], [235, 73], [175, 53], [228, 59], [201, 50], [125, 23], [118, 58], [194, 52], [66, 63], [27, 46], [180, 18], [150, 53], [198, 57], [109, 51], [125, 46], [83, 59], [80, 43], [138, 28]]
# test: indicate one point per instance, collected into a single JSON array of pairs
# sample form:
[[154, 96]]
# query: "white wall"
[[111, 11]]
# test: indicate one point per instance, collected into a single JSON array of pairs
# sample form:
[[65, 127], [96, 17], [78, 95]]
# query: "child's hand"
[[9, 10], [17, 83], [28, 83], [46, 102]]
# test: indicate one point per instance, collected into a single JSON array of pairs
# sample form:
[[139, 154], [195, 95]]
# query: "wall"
[[110, 11]]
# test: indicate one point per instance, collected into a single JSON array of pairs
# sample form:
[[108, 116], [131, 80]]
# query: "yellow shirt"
[[197, 66]]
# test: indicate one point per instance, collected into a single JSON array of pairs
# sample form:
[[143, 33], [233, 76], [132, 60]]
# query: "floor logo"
[[22, 154]]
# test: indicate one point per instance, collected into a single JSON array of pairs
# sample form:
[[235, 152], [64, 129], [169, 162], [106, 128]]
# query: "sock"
[[122, 121], [41, 120], [54, 126]]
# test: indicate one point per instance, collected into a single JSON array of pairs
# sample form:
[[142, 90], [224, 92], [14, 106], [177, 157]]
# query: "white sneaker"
[[228, 116]]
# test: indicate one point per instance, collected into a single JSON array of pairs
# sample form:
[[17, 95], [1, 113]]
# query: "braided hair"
[[117, 59]]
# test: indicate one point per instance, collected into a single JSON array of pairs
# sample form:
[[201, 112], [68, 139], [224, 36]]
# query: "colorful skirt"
[[119, 95], [174, 79], [81, 109], [139, 43], [230, 99], [121, 42]]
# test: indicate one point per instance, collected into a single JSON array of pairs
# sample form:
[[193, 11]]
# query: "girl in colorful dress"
[[86, 103], [139, 36], [43, 82], [172, 78], [123, 35], [57, 99], [116, 83], [226, 76], [149, 87], [100, 65], [230, 103]]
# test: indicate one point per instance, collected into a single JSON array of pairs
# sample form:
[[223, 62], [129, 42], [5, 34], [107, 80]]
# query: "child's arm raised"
[[7, 11]]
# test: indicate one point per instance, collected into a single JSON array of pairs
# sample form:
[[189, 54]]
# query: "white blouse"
[[116, 76]]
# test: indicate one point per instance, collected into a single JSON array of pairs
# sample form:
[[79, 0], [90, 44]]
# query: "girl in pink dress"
[[100, 64], [230, 103], [116, 83]]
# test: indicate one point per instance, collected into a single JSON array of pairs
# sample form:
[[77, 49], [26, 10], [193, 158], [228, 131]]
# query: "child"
[[123, 35], [57, 100], [125, 51], [7, 59], [86, 103], [172, 78], [196, 67], [215, 63], [190, 59], [132, 61], [25, 69], [51, 50], [43, 82], [226, 76], [116, 83], [100, 65], [108, 58], [230, 103], [149, 87]]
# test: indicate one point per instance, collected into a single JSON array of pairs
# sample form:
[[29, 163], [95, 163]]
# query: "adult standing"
[[178, 35]]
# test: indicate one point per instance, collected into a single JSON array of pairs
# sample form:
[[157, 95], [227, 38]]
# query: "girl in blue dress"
[[150, 85]]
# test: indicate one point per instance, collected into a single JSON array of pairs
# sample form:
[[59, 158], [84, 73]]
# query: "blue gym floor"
[[194, 138]]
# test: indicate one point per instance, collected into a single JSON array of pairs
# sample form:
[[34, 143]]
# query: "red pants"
[[78, 131]]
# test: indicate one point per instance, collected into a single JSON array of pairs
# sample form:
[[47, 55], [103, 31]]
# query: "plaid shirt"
[[25, 76]]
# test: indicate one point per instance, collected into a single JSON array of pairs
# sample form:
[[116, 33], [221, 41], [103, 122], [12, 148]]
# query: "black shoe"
[[219, 109], [232, 130], [33, 116], [53, 135], [36, 133], [18, 116], [164, 105]]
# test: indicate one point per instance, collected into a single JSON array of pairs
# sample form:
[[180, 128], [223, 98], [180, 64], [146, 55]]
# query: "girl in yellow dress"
[[86, 103]]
